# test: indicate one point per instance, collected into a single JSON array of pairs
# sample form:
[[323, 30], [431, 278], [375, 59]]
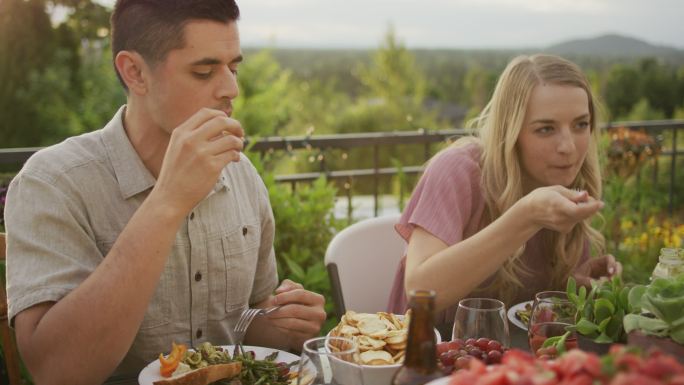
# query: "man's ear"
[[132, 67]]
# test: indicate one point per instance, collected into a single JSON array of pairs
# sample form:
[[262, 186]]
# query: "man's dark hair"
[[152, 28]]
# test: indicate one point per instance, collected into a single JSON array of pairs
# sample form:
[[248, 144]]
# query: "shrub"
[[305, 224]]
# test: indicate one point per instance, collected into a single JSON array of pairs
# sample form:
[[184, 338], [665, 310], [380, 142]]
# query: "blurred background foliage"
[[57, 80]]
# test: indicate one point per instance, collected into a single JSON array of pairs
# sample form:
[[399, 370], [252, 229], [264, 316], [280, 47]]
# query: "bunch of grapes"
[[457, 354]]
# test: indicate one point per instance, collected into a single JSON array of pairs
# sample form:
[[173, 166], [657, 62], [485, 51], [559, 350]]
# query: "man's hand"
[[597, 268], [197, 152], [301, 314]]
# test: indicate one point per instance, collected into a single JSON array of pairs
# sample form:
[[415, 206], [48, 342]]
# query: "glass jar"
[[670, 263]]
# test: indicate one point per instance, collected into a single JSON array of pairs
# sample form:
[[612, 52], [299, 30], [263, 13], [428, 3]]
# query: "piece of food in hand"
[[205, 375]]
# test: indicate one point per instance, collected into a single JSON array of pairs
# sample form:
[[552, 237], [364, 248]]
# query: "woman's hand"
[[560, 209], [597, 268]]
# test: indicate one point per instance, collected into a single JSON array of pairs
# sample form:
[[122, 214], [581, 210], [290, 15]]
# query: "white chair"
[[362, 260]]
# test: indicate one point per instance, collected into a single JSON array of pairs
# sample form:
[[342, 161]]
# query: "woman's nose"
[[566, 141]]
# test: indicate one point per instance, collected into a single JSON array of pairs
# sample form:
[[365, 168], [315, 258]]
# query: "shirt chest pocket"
[[235, 276]]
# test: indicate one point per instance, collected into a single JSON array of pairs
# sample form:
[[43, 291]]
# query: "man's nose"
[[228, 86]]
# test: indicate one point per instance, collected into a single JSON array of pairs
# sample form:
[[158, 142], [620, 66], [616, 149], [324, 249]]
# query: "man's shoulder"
[[242, 169], [58, 159]]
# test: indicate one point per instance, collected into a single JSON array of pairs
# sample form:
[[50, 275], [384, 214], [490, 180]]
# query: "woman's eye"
[[583, 125], [544, 129]]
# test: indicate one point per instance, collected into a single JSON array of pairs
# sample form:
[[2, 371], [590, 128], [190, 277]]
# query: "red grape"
[[456, 354], [493, 357], [455, 344], [482, 343], [442, 347], [494, 345]]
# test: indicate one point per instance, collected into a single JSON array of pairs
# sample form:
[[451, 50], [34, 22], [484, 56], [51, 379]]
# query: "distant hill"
[[613, 46]]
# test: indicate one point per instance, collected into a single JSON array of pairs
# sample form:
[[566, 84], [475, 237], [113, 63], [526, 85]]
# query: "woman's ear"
[[131, 66]]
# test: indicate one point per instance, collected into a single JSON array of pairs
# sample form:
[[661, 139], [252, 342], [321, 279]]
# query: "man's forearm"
[[84, 336]]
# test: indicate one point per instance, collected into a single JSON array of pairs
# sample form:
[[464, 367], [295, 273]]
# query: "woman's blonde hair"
[[498, 127]]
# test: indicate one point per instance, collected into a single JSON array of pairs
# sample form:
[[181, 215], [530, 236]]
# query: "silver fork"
[[245, 320]]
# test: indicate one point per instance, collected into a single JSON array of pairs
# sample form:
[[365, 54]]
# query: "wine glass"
[[481, 318], [552, 313], [328, 361]]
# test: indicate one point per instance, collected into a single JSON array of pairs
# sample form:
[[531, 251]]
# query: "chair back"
[[9, 345], [362, 261]]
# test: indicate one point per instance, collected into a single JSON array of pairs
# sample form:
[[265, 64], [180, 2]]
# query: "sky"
[[454, 23]]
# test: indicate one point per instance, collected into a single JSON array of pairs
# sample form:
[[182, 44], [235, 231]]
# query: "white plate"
[[513, 318], [150, 373], [440, 381]]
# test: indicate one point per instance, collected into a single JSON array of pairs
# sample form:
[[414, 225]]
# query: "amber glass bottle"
[[420, 364]]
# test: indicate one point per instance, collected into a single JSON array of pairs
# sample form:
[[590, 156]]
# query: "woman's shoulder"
[[460, 157]]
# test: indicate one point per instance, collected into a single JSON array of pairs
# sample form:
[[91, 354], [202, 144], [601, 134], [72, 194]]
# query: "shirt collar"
[[132, 175]]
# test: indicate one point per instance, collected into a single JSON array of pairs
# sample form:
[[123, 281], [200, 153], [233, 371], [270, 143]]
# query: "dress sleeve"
[[443, 201]]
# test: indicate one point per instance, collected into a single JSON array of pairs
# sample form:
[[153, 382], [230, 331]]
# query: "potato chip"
[[397, 323], [373, 327], [398, 347], [380, 337], [367, 343], [348, 331], [399, 356], [376, 357], [396, 337]]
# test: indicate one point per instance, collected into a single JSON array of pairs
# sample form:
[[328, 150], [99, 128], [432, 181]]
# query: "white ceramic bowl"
[[372, 374]]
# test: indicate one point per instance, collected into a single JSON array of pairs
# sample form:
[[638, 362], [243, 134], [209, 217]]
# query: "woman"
[[507, 214]]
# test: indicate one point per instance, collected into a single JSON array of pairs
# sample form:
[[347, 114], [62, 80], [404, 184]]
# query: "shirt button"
[[192, 215], [198, 276], [244, 231], [198, 334]]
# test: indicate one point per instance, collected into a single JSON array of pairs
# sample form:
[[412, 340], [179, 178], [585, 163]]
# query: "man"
[[155, 228]]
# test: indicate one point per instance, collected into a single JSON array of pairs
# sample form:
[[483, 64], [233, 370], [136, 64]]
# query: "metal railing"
[[376, 140]]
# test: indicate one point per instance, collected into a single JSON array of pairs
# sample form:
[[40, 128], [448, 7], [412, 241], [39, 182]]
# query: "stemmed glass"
[[552, 312], [481, 318], [328, 361]]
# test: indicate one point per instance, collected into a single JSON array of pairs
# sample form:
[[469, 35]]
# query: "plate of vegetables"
[[519, 314], [256, 364]]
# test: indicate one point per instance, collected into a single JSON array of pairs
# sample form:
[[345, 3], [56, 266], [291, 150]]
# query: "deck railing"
[[424, 138]]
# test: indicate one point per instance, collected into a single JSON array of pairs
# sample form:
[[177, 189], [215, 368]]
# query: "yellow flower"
[[643, 241], [626, 225], [676, 241]]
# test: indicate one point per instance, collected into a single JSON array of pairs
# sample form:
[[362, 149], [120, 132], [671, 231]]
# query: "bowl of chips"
[[381, 338]]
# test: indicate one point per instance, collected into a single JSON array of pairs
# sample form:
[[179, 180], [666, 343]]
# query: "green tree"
[[643, 111], [393, 77], [42, 70], [264, 105], [392, 99], [478, 86], [622, 90], [659, 86]]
